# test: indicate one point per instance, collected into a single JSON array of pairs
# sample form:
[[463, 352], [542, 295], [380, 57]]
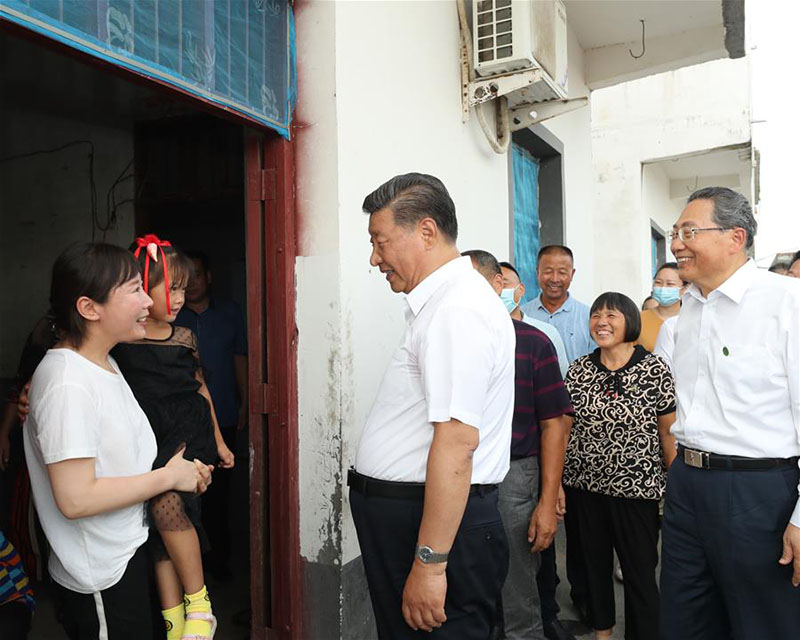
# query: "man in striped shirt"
[[542, 418]]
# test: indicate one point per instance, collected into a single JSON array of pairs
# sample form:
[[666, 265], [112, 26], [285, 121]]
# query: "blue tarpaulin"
[[238, 54], [526, 218]]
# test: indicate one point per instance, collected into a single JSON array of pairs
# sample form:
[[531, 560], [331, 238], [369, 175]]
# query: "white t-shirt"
[[80, 410], [456, 361]]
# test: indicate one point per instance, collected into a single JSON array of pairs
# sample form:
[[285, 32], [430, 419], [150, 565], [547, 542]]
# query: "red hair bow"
[[152, 244]]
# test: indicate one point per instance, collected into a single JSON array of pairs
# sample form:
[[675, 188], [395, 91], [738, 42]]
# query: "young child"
[[90, 449], [164, 372]]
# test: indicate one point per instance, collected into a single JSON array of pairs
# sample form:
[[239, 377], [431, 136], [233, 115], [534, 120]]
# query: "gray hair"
[[731, 210], [412, 197]]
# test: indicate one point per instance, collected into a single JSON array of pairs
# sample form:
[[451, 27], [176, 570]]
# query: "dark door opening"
[[88, 154]]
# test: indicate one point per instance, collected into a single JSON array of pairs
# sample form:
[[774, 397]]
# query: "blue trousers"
[[721, 539]]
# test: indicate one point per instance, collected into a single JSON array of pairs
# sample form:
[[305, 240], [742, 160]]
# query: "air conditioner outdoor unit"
[[514, 35]]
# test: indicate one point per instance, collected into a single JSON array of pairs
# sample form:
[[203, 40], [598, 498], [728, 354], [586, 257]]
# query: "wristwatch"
[[427, 555]]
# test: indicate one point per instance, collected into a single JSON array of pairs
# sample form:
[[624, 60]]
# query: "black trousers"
[[387, 531], [124, 609], [720, 577], [576, 571], [216, 511], [15, 620], [546, 582], [630, 527]]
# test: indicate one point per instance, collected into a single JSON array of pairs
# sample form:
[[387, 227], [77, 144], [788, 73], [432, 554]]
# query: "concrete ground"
[[230, 601]]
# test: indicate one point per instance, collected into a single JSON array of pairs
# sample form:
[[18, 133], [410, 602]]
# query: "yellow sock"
[[174, 619], [197, 603]]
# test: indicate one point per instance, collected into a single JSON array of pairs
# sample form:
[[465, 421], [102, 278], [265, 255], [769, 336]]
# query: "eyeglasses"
[[688, 233]]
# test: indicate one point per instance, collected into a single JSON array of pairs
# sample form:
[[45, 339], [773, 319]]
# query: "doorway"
[[146, 159]]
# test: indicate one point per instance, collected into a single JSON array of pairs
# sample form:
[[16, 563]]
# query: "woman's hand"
[[561, 504], [23, 403], [193, 477], [226, 457]]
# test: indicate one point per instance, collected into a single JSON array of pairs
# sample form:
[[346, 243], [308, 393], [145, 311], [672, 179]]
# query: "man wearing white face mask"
[[667, 292]]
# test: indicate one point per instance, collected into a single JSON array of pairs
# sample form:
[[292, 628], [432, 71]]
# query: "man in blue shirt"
[[222, 340], [555, 270]]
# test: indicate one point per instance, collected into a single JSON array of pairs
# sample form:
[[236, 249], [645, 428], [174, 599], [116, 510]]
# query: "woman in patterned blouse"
[[616, 462]]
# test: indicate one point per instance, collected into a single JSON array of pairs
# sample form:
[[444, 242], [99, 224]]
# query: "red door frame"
[[274, 436], [274, 463]]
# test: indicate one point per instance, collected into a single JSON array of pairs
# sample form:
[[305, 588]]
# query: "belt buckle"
[[698, 459]]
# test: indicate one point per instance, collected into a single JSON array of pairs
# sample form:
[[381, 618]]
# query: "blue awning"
[[238, 54]]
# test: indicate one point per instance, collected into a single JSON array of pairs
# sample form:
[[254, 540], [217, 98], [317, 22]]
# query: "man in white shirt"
[[436, 442], [731, 548]]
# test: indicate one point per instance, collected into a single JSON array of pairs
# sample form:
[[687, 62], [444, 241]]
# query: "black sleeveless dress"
[[161, 374]]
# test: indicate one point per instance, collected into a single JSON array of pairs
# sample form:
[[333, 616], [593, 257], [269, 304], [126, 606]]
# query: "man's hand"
[[423, 596], [791, 551], [561, 504], [542, 528]]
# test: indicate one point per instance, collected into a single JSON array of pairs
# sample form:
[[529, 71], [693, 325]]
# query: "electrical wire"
[[92, 183]]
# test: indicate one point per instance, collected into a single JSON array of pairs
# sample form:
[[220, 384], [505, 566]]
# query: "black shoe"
[[553, 630]]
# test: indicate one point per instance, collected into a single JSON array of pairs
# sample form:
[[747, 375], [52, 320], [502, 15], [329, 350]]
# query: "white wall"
[[45, 206], [380, 95], [657, 206], [574, 131], [679, 112]]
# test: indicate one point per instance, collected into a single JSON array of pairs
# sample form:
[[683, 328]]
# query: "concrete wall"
[[45, 205], [380, 95], [663, 116]]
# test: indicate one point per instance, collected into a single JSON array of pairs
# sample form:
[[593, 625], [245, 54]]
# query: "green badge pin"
[[725, 351]]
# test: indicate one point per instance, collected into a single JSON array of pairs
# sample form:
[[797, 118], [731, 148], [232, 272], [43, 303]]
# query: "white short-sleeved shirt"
[[456, 361], [80, 410], [737, 367]]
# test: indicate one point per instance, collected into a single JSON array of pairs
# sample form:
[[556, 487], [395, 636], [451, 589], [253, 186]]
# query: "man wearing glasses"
[[731, 547]]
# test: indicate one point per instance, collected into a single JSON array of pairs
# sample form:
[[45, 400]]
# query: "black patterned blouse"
[[614, 448]]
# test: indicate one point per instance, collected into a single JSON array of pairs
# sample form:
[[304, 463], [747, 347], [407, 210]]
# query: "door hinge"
[[262, 185], [263, 398]]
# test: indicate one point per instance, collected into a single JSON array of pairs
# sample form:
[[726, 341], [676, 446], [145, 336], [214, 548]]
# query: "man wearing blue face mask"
[[667, 292], [528, 498], [512, 294]]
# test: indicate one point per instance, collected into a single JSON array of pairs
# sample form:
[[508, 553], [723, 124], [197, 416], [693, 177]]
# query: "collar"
[[639, 353], [733, 288], [566, 306], [420, 294]]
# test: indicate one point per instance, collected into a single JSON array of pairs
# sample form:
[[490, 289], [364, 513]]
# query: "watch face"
[[425, 554]]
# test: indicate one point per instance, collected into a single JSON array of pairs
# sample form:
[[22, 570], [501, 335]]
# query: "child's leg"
[[170, 593], [182, 573]]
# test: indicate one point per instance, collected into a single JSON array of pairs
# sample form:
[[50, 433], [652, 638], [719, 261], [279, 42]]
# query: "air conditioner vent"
[[514, 35]]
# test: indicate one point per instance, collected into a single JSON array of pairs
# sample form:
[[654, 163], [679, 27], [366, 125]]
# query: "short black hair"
[[508, 265], [202, 256], [412, 197], [644, 302], [487, 263], [620, 302], [555, 249], [86, 269]]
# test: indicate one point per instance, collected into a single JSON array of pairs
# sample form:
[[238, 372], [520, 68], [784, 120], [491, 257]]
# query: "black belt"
[[367, 486], [705, 460]]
